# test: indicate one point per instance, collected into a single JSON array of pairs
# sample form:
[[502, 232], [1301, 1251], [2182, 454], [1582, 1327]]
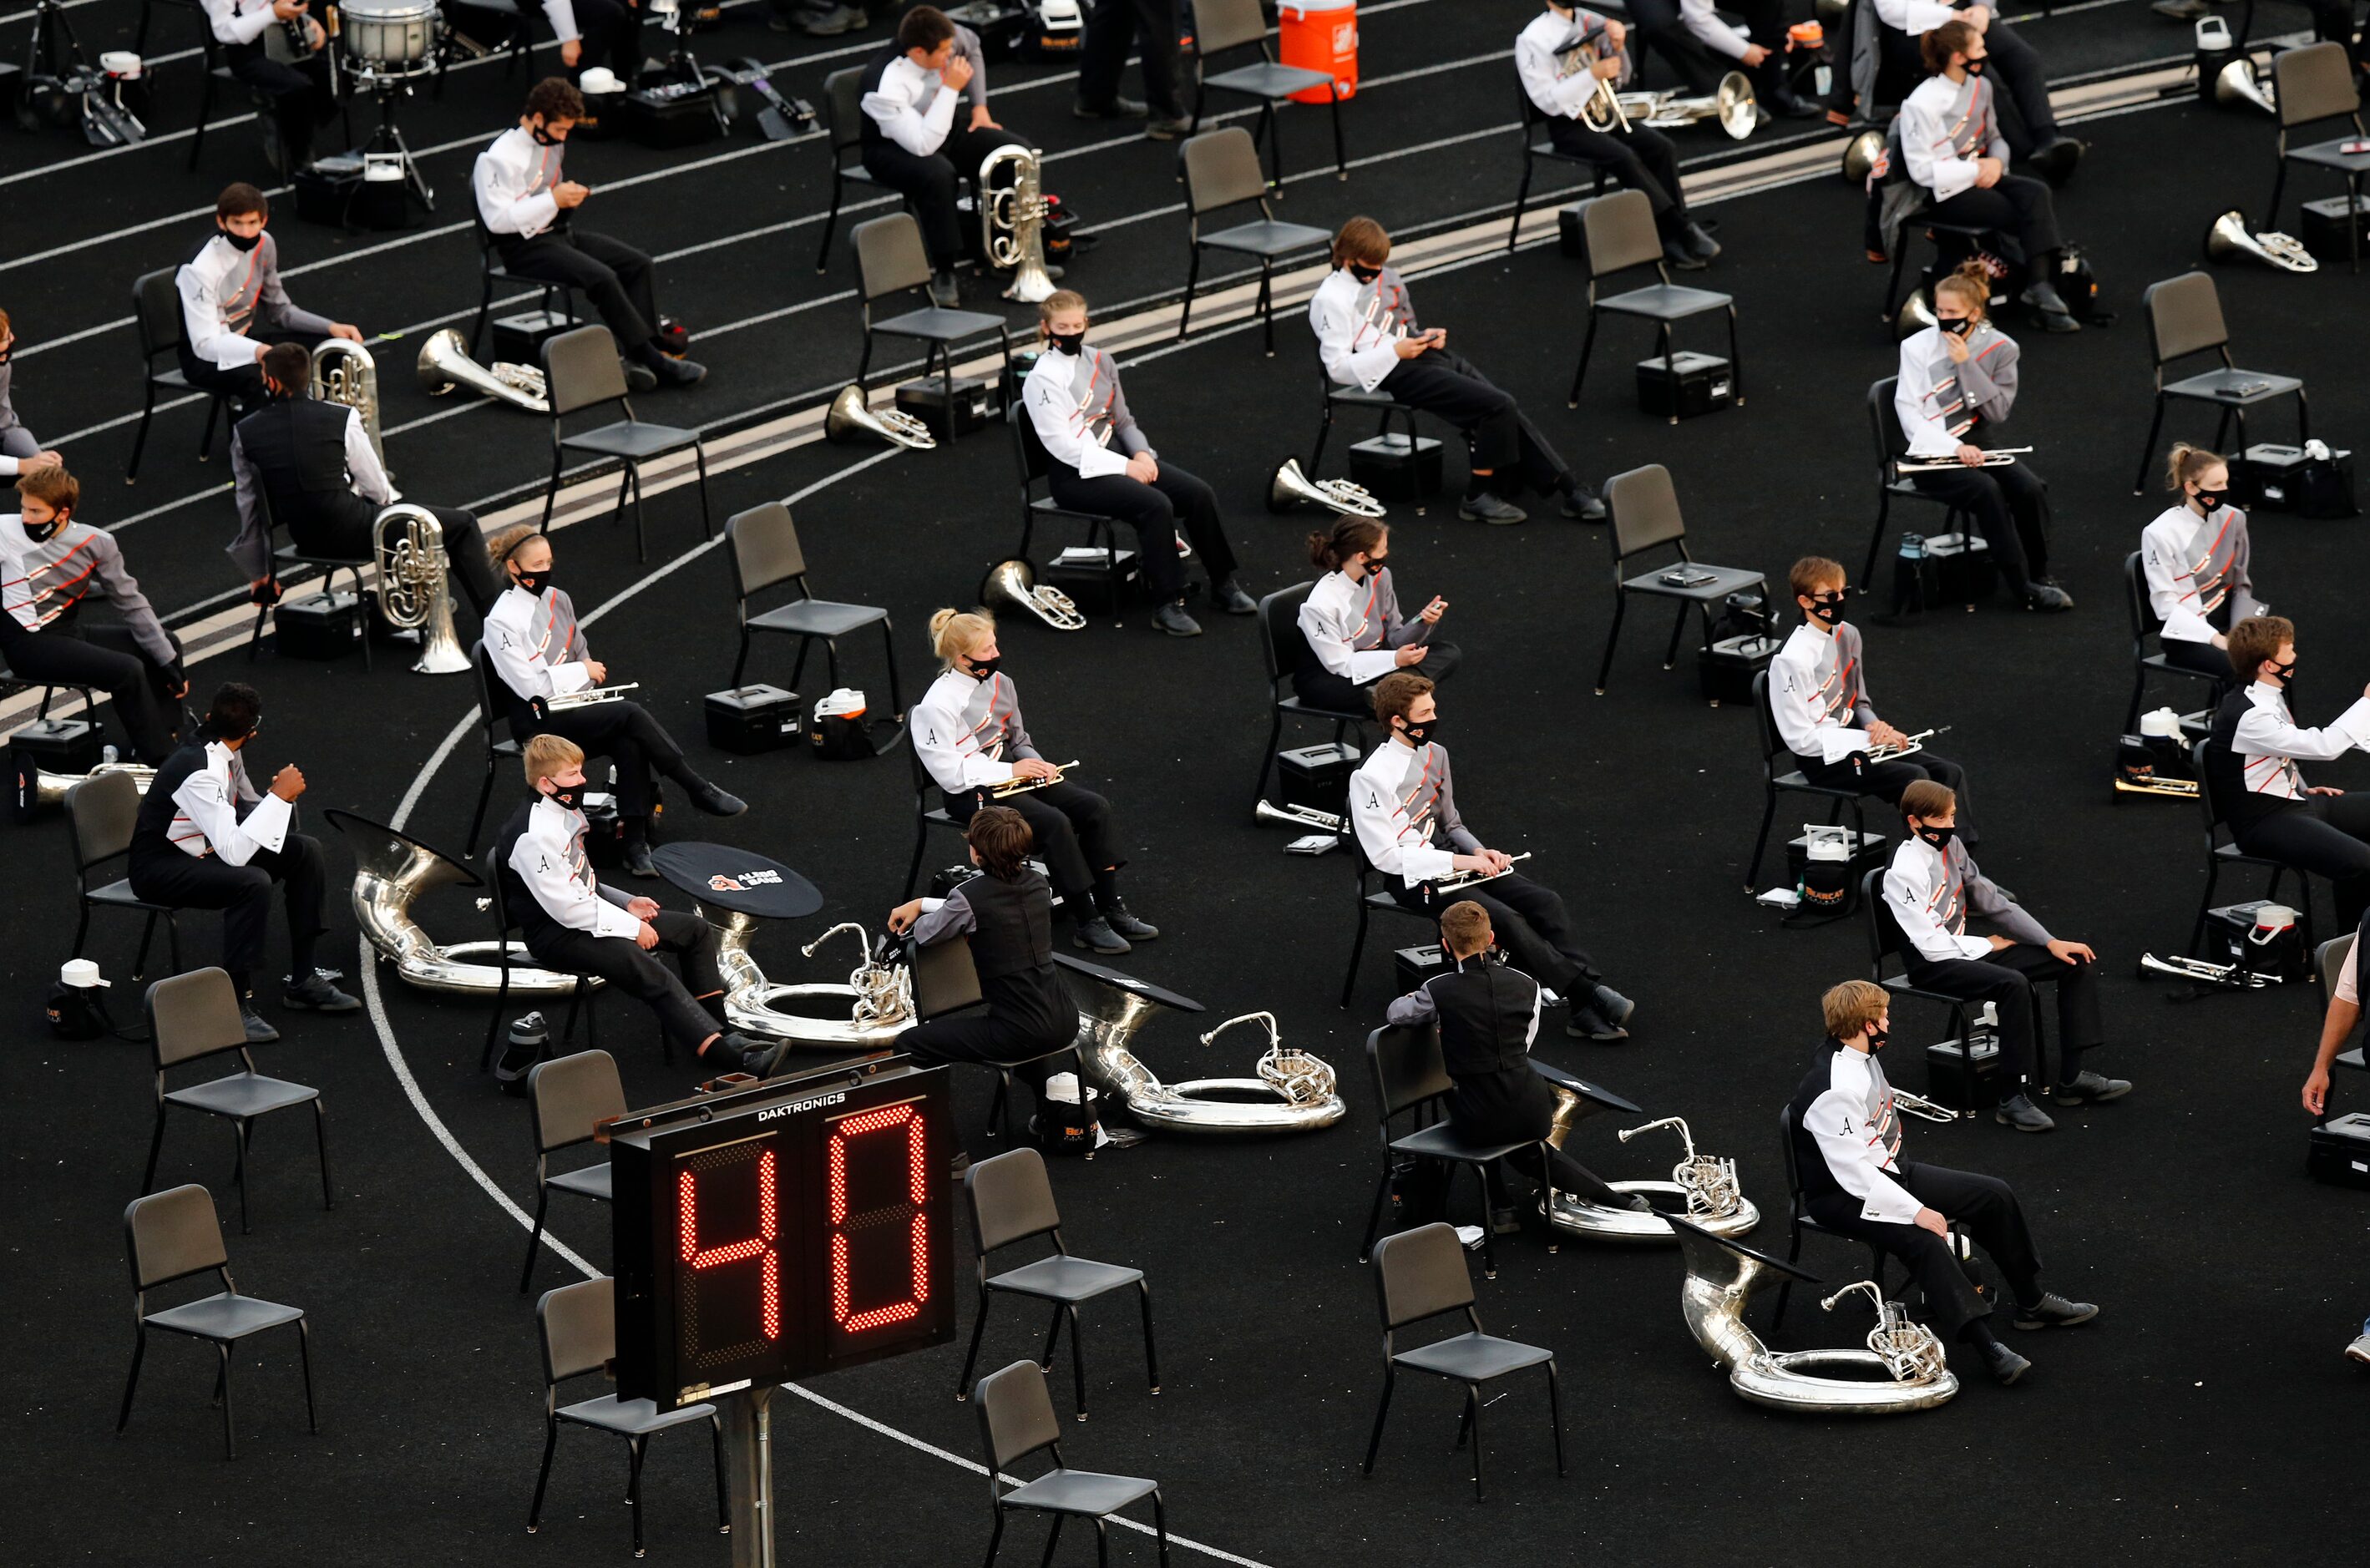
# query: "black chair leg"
[[1077, 1362], [1876, 534], [304, 1360], [635, 1448], [321, 1147], [970, 1357], [1357, 951], [206, 439], [534, 1234], [1473, 1406], [230, 1429], [1555, 1414], [1612, 639], [140, 437], [831, 221], [1761, 842], [1893, 283], [1374, 1212], [1053, 1341], [1192, 276], [1053, 1539], [995, 1539], [1521, 198], [1151, 1358], [1267, 764], [2155, 425], [132, 1382], [1382, 1411], [1678, 629], [1580, 372]]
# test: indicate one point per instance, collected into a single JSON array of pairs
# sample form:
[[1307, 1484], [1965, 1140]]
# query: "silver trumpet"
[[1910, 746], [2238, 83], [872, 1008], [415, 590], [391, 872], [1014, 583], [589, 697], [1467, 878], [37, 789], [1289, 488], [1924, 1109], [2229, 977], [445, 363], [1012, 221], [1731, 104], [344, 372], [848, 418], [1908, 1348], [1297, 817], [1997, 457], [1294, 1091], [2230, 237]]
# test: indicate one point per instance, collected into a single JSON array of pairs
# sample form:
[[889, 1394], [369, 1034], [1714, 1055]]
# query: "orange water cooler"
[[1321, 35]]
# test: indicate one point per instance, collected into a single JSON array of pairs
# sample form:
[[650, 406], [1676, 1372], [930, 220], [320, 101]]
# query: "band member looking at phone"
[[967, 733], [1818, 694], [1848, 1155], [301, 91], [1957, 379], [233, 306], [2196, 557], [1352, 621], [540, 658], [1403, 813], [1930, 889], [1367, 336]]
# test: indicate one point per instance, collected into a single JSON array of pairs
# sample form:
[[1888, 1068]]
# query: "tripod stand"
[[387, 139], [57, 71]]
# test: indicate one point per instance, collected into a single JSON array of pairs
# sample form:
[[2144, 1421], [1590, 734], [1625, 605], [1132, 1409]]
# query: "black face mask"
[[8, 353], [1938, 836], [1068, 342], [1877, 1037], [567, 797], [1363, 274], [536, 582], [981, 668], [1976, 67], [2284, 674], [1958, 327], [1827, 609], [1417, 734], [1376, 564], [38, 532], [2210, 501], [544, 138], [243, 242]]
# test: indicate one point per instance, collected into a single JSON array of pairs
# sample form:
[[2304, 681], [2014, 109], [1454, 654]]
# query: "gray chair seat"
[[1358, 397], [592, 1182], [1665, 302], [1473, 1358], [630, 438], [2355, 1059], [2222, 386], [1297, 704], [1440, 1141], [817, 618], [934, 322], [169, 378], [226, 1317], [1084, 1491], [2327, 155], [1064, 1278], [1264, 80], [1725, 580], [632, 1417], [293, 556], [121, 894], [1268, 236], [244, 1094]]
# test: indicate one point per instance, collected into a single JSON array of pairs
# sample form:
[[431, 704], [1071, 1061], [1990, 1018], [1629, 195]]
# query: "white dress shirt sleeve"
[[936, 730], [371, 482], [1914, 16], [2347, 987], [1795, 703], [1053, 412], [1707, 27], [578, 905], [1336, 328], [920, 132], [204, 799], [232, 25], [503, 197], [1926, 147], [1375, 813], [1559, 97], [2265, 731], [202, 322], [2172, 587], [1849, 1145], [1906, 896], [562, 17]]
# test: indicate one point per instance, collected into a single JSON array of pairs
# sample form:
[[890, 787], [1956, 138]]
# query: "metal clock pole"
[[749, 1472]]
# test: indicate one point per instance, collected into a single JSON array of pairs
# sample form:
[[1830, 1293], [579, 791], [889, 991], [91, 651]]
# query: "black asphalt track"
[[2204, 1418]]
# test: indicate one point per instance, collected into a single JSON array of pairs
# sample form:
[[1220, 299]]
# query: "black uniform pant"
[[1699, 65], [626, 733], [2019, 205], [466, 568], [611, 31], [1530, 923], [2333, 20], [301, 95], [1639, 157], [1885, 780], [1316, 684], [108, 658], [993, 1038], [928, 181], [244, 895], [243, 385], [2006, 979], [620, 961], [1154, 511], [2204, 658], [1497, 437], [616, 278], [2022, 102], [1111, 27], [2010, 506], [1983, 1207], [2326, 835], [1074, 831]]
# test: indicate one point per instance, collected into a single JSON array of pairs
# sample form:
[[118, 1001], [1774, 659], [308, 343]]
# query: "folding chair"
[[581, 371], [890, 261], [1220, 26], [2314, 84], [1015, 1421], [1619, 234], [2184, 316], [1791, 781], [1222, 171], [157, 315], [1644, 509], [196, 1015]]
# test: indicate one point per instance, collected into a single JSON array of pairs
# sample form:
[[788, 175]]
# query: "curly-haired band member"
[[2196, 558]]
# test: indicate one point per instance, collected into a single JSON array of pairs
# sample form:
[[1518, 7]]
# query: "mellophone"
[[1010, 787], [1998, 457], [1913, 744], [1467, 878], [584, 699]]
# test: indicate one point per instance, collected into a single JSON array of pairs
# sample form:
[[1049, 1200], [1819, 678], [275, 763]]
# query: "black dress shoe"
[[2090, 1088], [2044, 300], [1486, 507], [636, 859], [1229, 597], [2057, 161], [1699, 240], [1676, 254], [2020, 1113], [1115, 915], [2005, 1365], [1172, 618], [716, 800], [317, 994], [2055, 1311], [2048, 598], [735, 1052], [259, 1032], [1118, 109], [1096, 935], [1583, 505]]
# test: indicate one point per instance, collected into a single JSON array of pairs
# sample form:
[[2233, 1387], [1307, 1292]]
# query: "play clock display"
[[781, 1230]]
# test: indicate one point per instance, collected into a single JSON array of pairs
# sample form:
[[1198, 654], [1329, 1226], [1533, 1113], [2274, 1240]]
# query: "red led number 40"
[[846, 1214], [765, 1247]]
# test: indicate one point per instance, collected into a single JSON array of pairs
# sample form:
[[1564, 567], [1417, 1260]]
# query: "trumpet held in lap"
[[587, 697], [1998, 457], [1908, 747], [1013, 786], [1467, 878]]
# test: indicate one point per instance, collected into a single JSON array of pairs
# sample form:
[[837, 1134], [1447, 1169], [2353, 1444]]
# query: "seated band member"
[[20, 453], [2336, 1025], [1818, 694], [205, 840], [234, 305], [1403, 809], [2196, 558], [1488, 1013], [2256, 786], [539, 653], [1352, 621], [1006, 915], [1103, 462], [1848, 1154], [1930, 888], [1957, 379], [598, 32], [926, 122], [2333, 22], [530, 208], [2025, 118], [967, 733], [1367, 336], [1702, 48], [1547, 57], [303, 93], [50, 567], [573, 925], [315, 464], [1952, 146]]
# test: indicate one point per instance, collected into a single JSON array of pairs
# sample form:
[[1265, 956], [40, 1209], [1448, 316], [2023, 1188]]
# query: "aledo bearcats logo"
[[743, 882]]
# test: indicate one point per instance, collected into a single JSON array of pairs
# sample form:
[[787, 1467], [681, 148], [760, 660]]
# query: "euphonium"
[[414, 591], [1013, 584], [2230, 237], [1602, 110], [1012, 221], [391, 871], [445, 363], [1731, 104], [847, 418], [344, 372], [1289, 488], [872, 1008], [1294, 1091]]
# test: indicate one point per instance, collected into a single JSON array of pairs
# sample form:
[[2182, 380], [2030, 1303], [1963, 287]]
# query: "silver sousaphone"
[[1703, 1189], [1294, 1092], [870, 1009], [391, 871]]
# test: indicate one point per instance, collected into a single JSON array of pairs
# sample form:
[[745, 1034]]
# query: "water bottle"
[[107, 755]]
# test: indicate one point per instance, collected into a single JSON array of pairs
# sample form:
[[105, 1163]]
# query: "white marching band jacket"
[[1945, 127], [1080, 414], [1941, 404], [1858, 1131], [550, 858], [226, 291], [534, 644], [1354, 628], [1818, 694], [43, 580], [1357, 325], [1403, 806], [2269, 741], [1932, 892], [968, 731], [914, 107], [512, 180], [205, 812], [1553, 77], [2194, 566]]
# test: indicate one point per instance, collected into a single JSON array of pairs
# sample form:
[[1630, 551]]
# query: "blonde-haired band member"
[[2197, 560], [967, 733]]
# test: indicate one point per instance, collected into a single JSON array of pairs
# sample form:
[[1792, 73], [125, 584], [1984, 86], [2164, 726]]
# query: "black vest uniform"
[[152, 831], [298, 447], [1012, 949], [1484, 1011], [519, 902], [1809, 1164]]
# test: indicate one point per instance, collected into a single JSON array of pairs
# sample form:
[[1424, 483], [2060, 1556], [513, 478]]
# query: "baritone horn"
[[1289, 488], [445, 363], [847, 418], [415, 589], [1731, 104], [1012, 220], [344, 373], [2230, 237], [1014, 583]]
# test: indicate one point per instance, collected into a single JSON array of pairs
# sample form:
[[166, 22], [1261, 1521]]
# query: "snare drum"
[[394, 38]]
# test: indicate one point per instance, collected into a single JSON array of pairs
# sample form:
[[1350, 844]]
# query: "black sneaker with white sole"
[[317, 994], [2055, 1311]]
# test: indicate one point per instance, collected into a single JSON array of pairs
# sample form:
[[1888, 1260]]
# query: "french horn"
[[39, 790], [1289, 488], [1723, 1276], [391, 871], [1703, 1189], [445, 363], [344, 373], [2230, 237], [2236, 83], [415, 590], [865, 1014], [1012, 584], [848, 418], [1012, 221], [1294, 1092]]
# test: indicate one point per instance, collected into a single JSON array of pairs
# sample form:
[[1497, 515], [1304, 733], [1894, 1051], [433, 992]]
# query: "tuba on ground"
[[1013, 585], [344, 373], [445, 363], [872, 1008], [2230, 237], [847, 418], [391, 871], [1012, 220], [1294, 1091], [414, 588], [1289, 488], [1703, 1189]]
